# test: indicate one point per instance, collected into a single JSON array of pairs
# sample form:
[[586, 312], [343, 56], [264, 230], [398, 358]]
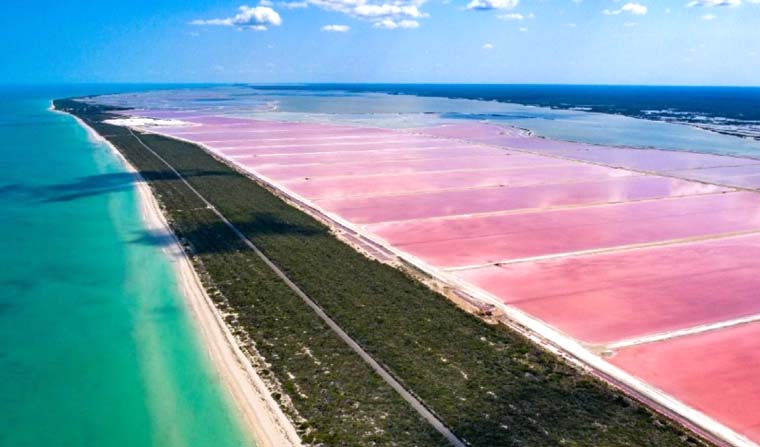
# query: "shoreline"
[[263, 419]]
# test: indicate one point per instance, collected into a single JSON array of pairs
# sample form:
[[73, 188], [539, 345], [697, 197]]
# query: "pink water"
[[602, 243], [470, 240], [715, 372], [607, 297]]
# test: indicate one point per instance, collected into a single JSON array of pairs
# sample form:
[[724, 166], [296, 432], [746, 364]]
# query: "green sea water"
[[96, 345]]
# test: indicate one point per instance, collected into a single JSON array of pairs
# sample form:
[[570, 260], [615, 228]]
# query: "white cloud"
[[713, 3], [488, 46], [709, 17], [512, 16], [392, 24], [492, 4], [388, 10], [257, 18], [292, 5], [387, 14], [522, 30], [636, 9], [336, 28]]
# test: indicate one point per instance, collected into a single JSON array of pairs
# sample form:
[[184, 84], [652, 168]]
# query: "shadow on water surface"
[[88, 186], [156, 238]]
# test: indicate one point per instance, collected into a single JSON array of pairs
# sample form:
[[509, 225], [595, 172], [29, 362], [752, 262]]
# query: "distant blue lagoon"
[[637, 116], [684, 102], [98, 348]]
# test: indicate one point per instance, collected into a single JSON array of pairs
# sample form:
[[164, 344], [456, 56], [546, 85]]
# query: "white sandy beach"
[[259, 413]]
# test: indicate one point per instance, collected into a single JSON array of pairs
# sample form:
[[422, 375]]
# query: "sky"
[[673, 42]]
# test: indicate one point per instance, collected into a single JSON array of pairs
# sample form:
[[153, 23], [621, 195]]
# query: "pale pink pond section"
[[471, 131], [359, 150], [449, 203], [639, 159], [255, 160], [612, 296], [462, 241], [653, 160], [715, 372], [394, 141], [217, 120], [284, 131], [161, 114], [332, 187], [747, 176], [505, 160], [285, 135]]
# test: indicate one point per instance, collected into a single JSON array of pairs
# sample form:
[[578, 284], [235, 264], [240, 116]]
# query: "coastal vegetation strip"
[[406, 395], [331, 395], [490, 385]]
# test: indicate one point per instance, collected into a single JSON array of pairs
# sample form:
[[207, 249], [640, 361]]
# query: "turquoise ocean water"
[[96, 345]]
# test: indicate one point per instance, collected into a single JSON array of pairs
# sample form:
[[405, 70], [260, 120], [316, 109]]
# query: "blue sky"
[[707, 42]]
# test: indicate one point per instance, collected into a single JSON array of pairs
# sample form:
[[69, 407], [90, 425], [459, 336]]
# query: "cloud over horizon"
[[485, 5], [392, 14], [336, 28], [392, 24], [512, 16], [630, 8], [257, 18], [713, 3]]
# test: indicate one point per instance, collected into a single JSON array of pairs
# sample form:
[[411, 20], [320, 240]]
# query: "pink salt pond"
[[504, 160], [606, 245], [258, 158], [514, 199], [474, 240], [380, 185], [714, 372], [608, 297]]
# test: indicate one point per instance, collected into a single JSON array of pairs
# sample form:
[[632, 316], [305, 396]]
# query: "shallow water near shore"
[[98, 347]]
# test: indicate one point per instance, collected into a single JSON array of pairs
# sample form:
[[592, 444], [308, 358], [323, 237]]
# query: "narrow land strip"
[[260, 413], [490, 385], [324, 387], [406, 395]]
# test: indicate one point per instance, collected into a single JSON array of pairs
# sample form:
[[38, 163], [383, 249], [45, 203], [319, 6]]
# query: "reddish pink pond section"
[[524, 198], [349, 186], [715, 372], [473, 240], [607, 297], [602, 243]]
